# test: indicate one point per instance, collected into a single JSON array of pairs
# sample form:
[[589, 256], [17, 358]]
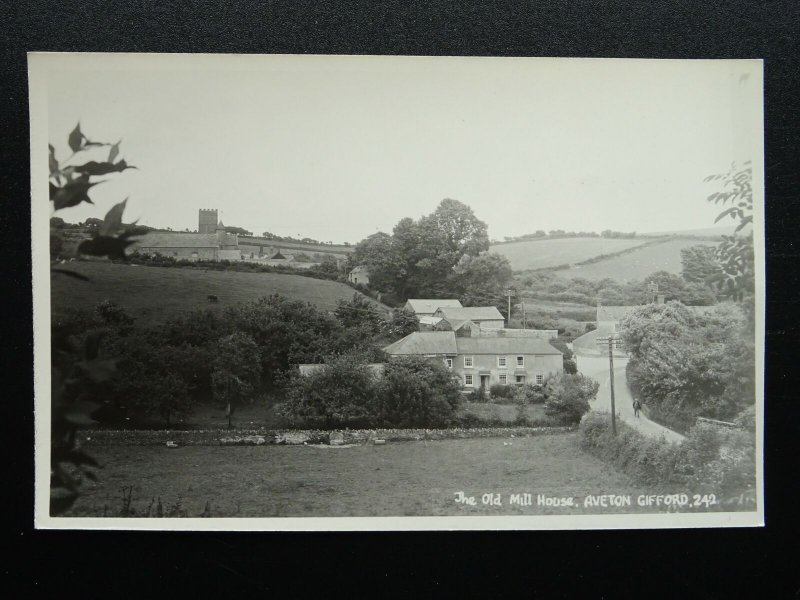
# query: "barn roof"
[[429, 305], [471, 313], [503, 345], [424, 342]]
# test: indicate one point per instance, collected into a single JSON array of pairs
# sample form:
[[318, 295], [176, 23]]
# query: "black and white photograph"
[[333, 293]]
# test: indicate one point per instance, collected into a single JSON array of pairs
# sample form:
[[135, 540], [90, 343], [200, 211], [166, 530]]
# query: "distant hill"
[[152, 294], [707, 232], [553, 252], [637, 264]]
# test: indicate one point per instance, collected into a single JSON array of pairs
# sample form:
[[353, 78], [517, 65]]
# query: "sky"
[[337, 148]]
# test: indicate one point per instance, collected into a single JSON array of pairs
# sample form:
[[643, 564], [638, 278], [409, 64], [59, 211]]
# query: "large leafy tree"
[[417, 259]]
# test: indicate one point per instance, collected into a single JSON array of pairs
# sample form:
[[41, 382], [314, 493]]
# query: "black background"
[[675, 563]]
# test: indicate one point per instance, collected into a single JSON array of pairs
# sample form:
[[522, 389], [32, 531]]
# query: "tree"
[[340, 394], [481, 280], [684, 365], [699, 264], [415, 392], [359, 312], [402, 323], [735, 253], [568, 396], [417, 259], [236, 371]]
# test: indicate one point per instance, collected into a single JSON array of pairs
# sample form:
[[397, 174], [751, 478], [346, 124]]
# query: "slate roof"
[[426, 320], [500, 345], [161, 239], [424, 342], [429, 305], [471, 313], [446, 342]]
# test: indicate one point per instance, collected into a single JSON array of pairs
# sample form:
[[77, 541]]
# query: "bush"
[[414, 392], [711, 460], [335, 396], [502, 391], [568, 396]]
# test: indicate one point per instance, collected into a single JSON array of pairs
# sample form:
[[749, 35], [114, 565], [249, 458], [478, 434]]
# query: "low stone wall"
[[242, 437]]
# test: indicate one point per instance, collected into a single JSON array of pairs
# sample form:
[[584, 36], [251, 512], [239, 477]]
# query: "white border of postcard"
[[39, 64]]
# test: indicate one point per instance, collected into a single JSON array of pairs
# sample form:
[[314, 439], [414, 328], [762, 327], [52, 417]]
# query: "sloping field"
[[538, 254], [638, 264], [155, 293]]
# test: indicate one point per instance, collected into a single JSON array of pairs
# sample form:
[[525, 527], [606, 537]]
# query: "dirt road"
[[597, 368]]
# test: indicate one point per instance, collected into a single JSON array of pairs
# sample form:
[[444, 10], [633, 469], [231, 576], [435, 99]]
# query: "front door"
[[485, 382]]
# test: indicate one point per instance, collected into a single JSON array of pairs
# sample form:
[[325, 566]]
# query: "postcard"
[[284, 292]]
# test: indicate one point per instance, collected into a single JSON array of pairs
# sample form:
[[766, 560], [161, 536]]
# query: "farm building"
[[484, 361], [483, 316], [427, 306], [211, 242], [359, 275]]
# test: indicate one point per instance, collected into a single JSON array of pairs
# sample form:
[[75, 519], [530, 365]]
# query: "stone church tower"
[[207, 222]]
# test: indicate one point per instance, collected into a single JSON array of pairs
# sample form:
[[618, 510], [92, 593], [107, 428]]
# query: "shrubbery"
[[711, 460], [568, 396], [412, 392]]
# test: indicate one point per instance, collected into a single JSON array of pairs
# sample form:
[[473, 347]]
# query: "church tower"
[[207, 222]]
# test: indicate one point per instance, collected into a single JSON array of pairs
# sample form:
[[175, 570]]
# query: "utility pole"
[[524, 315], [611, 341], [509, 293]]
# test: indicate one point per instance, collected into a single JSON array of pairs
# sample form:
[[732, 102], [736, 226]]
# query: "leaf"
[[75, 138], [102, 168], [73, 193], [70, 274], [113, 247], [724, 214], [99, 370], [113, 219], [114, 152], [54, 171]]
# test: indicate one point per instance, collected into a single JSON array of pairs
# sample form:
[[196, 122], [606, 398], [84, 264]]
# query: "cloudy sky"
[[336, 148]]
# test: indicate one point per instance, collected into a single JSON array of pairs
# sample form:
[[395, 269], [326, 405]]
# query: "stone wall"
[[256, 437]]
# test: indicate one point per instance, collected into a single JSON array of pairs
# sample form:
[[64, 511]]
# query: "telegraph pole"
[[611, 341], [509, 293]]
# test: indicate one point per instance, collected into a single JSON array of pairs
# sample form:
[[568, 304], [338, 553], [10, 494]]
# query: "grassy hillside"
[[538, 254], [155, 293], [638, 264]]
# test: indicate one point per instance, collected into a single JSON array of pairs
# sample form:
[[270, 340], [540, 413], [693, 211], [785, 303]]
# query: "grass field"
[[538, 254], [639, 264], [398, 479], [155, 293]]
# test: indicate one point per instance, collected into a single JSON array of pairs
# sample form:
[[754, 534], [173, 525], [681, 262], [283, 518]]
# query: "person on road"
[[637, 406]]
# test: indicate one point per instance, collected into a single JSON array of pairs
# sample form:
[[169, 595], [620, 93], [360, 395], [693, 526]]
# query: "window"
[[520, 378], [467, 379], [520, 361], [503, 379], [502, 362], [467, 362], [448, 362], [539, 379]]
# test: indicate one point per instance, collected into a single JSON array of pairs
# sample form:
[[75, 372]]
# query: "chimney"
[[660, 299]]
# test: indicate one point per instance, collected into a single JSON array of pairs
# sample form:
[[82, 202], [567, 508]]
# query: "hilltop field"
[[638, 264], [545, 253], [155, 293], [620, 259]]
